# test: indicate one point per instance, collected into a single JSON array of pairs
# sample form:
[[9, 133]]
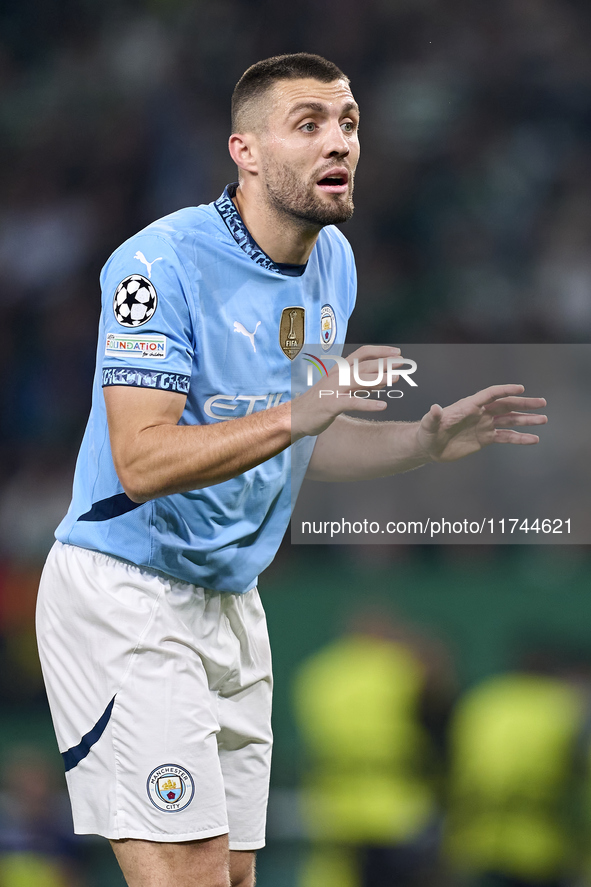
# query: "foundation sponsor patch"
[[139, 346]]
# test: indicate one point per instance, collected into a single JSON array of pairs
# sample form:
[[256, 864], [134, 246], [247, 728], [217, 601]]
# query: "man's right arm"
[[154, 456]]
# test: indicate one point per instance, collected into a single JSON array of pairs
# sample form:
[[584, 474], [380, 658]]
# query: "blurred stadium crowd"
[[473, 199], [473, 224]]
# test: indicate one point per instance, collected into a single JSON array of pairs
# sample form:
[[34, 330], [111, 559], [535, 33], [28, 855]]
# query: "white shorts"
[[160, 694]]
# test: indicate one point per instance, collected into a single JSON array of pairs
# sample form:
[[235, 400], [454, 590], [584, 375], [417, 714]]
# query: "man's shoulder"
[[332, 238], [189, 225], [335, 252], [182, 239]]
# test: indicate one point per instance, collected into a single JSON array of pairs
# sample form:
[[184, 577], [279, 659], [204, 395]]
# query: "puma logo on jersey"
[[141, 257], [239, 328]]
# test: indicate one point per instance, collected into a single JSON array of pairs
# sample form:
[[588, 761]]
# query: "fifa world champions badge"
[[328, 327], [292, 330], [170, 788]]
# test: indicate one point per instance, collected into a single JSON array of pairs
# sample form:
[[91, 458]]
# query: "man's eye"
[[309, 127], [349, 126]]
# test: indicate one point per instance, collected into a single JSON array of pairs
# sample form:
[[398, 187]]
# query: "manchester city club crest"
[[170, 788], [292, 331], [328, 327]]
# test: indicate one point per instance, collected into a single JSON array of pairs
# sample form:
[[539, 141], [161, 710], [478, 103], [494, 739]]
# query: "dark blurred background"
[[473, 224]]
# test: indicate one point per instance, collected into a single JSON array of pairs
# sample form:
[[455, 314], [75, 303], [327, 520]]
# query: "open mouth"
[[336, 182]]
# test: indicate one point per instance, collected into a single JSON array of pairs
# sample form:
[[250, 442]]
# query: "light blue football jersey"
[[192, 304]]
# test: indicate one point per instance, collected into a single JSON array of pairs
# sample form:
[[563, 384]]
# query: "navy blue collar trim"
[[241, 234]]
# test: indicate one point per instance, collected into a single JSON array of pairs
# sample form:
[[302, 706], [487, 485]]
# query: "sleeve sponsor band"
[[140, 378]]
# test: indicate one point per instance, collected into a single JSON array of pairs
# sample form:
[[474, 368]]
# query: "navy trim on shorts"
[[78, 752], [105, 509]]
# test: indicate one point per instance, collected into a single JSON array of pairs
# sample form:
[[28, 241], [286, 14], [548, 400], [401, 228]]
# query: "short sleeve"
[[352, 284], [147, 336]]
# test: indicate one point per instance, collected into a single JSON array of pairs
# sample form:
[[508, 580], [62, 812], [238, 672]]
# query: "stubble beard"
[[291, 197]]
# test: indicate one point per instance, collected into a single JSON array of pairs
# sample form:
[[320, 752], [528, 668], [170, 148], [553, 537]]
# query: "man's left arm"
[[357, 449]]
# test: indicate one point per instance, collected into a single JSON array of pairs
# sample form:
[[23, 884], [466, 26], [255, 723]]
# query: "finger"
[[503, 436], [512, 420], [371, 369], [432, 420], [494, 392], [506, 404], [368, 364], [364, 405], [369, 373], [370, 352]]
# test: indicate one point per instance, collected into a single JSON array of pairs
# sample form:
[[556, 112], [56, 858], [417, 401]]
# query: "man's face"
[[309, 150]]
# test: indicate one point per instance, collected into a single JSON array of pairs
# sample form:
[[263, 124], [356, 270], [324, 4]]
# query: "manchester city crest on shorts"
[[170, 788], [135, 301]]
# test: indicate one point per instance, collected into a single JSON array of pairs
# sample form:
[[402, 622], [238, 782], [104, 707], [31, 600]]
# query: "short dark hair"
[[259, 78]]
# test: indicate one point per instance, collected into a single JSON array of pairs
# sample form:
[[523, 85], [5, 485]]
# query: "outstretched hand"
[[449, 433]]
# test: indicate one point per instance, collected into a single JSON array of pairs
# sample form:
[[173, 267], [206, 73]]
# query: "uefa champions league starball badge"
[[170, 788], [135, 301]]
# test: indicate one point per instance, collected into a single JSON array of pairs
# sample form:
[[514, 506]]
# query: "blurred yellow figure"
[[371, 783], [513, 746], [330, 866], [29, 870]]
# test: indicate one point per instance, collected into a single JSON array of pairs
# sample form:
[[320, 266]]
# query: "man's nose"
[[336, 142]]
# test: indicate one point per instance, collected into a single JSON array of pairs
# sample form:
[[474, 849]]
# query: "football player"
[[152, 636]]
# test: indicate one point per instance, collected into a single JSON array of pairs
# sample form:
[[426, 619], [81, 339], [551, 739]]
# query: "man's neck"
[[284, 241]]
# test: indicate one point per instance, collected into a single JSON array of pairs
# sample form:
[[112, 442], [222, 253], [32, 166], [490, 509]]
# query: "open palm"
[[464, 427]]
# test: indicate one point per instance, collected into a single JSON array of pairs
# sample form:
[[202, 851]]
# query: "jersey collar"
[[241, 234]]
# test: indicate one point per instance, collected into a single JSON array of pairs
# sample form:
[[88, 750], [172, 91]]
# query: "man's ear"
[[243, 151]]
